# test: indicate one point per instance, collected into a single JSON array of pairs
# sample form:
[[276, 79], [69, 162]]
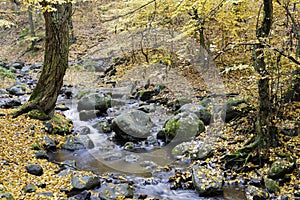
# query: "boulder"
[[133, 125], [253, 192], [207, 182], [182, 127], [18, 90], [272, 186], [73, 143], [280, 167], [85, 182], [115, 191], [34, 169], [86, 115], [94, 101], [194, 150], [49, 143], [10, 103], [45, 195], [202, 112], [84, 195], [235, 108]]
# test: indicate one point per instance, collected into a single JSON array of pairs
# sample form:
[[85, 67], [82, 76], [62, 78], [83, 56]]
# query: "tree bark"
[[264, 134], [55, 59]]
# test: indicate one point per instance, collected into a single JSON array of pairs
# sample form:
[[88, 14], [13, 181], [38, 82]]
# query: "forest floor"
[[17, 136]]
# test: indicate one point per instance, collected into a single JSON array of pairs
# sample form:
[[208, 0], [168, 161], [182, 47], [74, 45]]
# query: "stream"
[[106, 156]]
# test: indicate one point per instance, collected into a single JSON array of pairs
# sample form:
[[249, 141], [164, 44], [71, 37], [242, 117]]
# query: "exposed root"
[[33, 109]]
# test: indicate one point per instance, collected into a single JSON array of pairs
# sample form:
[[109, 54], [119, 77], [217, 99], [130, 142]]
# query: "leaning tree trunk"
[[265, 137], [44, 95]]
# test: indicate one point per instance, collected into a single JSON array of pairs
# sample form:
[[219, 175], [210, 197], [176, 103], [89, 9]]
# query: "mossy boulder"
[[280, 167], [272, 186], [182, 127]]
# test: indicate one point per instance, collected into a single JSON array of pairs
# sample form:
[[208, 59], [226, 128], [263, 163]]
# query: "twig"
[[231, 48], [129, 13]]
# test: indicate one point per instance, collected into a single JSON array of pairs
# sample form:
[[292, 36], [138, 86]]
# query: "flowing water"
[[108, 157]]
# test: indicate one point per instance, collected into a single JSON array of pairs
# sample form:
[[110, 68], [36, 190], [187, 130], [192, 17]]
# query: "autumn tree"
[[44, 95]]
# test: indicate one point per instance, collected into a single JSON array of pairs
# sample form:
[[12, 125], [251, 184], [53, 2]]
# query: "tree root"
[[243, 155], [33, 109]]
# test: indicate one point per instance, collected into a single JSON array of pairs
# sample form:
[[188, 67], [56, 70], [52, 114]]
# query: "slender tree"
[[44, 96]]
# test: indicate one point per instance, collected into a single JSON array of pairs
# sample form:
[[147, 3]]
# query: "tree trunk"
[[265, 136], [31, 24], [55, 59]]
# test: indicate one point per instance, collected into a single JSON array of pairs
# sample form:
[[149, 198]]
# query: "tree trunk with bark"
[[44, 96]]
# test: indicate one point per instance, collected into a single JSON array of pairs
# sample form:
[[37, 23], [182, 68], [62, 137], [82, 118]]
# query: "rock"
[[41, 155], [235, 108], [49, 143], [34, 169], [145, 95], [6, 196], [103, 127], [132, 158], [48, 126], [73, 143], [202, 112], [194, 150], [150, 165], [253, 192], [95, 101], [133, 125], [29, 188], [84, 195], [45, 195], [61, 107], [182, 127], [86, 115], [207, 182], [279, 168], [18, 90], [115, 191], [83, 130], [113, 156], [10, 103], [179, 102], [272, 186], [85, 182], [18, 65]]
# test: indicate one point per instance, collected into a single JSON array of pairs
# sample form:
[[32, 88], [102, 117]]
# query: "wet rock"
[[29, 188], [18, 90], [6, 196], [86, 115], [129, 146], [103, 127], [34, 169], [94, 101], [41, 155], [202, 112], [49, 143], [17, 65], [235, 108], [279, 168], [113, 156], [147, 108], [253, 192], [10, 103], [132, 158], [206, 181], [83, 130], [84, 195], [133, 125], [85, 182], [115, 191], [182, 127], [272, 186], [73, 143], [61, 107], [195, 150], [45, 195], [150, 165]]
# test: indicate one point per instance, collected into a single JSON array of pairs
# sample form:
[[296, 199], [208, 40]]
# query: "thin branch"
[[129, 13], [231, 48], [291, 58]]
